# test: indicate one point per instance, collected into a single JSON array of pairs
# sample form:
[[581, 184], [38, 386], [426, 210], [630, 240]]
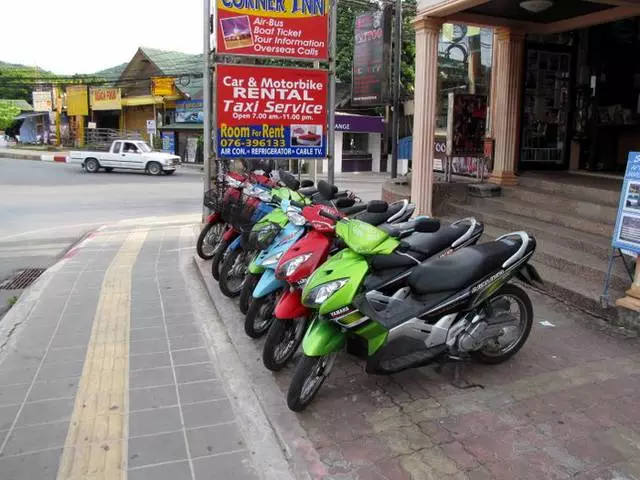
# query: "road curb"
[[48, 157], [300, 451]]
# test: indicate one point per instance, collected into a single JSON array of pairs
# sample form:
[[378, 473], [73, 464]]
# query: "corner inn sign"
[[274, 28]]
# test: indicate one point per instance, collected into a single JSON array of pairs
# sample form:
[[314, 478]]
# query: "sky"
[[85, 36]]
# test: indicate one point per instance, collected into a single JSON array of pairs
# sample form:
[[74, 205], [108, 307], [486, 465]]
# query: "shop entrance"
[[544, 142], [581, 99]]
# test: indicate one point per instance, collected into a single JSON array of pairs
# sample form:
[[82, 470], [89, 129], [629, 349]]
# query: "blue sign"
[[169, 142], [189, 111], [264, 141], [626, 235]]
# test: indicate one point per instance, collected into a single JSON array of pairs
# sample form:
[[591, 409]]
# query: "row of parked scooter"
[[315, 266]]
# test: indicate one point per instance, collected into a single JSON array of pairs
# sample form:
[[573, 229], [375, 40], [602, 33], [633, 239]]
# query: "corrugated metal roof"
[[23, 105]]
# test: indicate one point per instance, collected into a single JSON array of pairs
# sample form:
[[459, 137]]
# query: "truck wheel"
[[154, 168], [91, 165], [169, 172], [108, 169]]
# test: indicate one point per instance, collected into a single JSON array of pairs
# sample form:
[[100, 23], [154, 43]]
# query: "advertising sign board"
[[105, 98], [371, 58], [295, 29], [466, 124], [267, 112], [189, 111], [626, 234]]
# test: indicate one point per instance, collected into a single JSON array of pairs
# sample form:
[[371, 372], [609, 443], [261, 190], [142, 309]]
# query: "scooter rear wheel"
[[233, 272], [283, 340], [308, 377], [497, 352]]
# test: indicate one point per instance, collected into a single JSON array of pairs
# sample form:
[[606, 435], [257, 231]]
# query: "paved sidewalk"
[[565, 407], [109, 370]]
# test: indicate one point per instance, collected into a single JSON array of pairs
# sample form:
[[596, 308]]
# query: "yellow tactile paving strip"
[[96, 445]]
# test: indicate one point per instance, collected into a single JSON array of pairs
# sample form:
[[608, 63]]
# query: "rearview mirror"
[[377, 206], [427, 225], [306, 183]]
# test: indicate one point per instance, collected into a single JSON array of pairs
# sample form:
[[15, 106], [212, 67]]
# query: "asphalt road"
[[46, 207]]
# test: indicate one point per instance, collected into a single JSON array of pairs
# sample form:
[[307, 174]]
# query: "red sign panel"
[[271, 112], [273, 28]]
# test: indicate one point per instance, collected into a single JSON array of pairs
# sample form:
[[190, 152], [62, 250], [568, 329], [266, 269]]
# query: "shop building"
[[143, 100], [564, 87]]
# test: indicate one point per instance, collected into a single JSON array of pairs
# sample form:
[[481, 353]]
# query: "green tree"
[[8, 111]]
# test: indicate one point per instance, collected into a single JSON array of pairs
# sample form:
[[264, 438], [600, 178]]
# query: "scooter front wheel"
[[260, 316], [233, 272], [218, 258], [209, 237], [283, 340], [246, 295], [308, 377]]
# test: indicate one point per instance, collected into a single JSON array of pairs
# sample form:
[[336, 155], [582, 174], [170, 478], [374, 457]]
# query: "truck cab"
[[127, 154]]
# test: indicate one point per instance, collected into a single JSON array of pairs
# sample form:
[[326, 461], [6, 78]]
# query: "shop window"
[[464, 64]]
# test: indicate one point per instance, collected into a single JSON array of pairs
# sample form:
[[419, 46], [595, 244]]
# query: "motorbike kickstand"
[[457, 380]]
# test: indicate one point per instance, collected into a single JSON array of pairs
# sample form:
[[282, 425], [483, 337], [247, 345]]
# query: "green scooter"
[[453, 304]]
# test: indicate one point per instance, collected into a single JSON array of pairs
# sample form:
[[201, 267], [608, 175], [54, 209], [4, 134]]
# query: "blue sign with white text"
[[169, 142], [626, 235]]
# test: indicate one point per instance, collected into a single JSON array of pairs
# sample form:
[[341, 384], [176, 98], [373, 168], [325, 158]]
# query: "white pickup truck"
[[127, 154]]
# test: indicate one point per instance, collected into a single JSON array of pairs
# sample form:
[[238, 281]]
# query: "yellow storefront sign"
[[77, 100], [105, 98], [162, 86]]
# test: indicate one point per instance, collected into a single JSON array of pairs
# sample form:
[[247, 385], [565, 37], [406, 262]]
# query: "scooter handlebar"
[[330, 216]]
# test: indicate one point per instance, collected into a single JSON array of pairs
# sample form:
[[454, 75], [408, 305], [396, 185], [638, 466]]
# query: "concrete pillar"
[[510, 52], [338, 151], [375, 151], [424, 118]]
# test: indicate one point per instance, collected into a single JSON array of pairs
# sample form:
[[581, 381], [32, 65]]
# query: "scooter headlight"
[[272, 260], [296, 218], [291, 266], [321, 293]]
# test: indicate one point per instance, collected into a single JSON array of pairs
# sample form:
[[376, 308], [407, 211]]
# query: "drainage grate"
[[21, 279]]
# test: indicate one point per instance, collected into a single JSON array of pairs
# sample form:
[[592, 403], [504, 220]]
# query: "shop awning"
[[349, 122], [146, 100], [182, 126], [22, 116]]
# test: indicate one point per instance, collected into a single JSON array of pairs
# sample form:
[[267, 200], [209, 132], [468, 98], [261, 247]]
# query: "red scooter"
[[215, 226]]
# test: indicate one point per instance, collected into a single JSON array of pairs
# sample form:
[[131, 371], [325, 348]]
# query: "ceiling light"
[[536, 6]]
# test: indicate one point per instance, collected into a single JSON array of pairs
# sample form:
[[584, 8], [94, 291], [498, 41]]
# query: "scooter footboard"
[[322, 338]]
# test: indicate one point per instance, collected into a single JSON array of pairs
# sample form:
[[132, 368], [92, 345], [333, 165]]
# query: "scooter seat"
[[462, 268], [378, 218], [352, 210], [429, 244], [308, 191]]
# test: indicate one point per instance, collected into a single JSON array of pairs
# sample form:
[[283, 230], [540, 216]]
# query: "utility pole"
[[397, 64], [206, 99], [331, 143]]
